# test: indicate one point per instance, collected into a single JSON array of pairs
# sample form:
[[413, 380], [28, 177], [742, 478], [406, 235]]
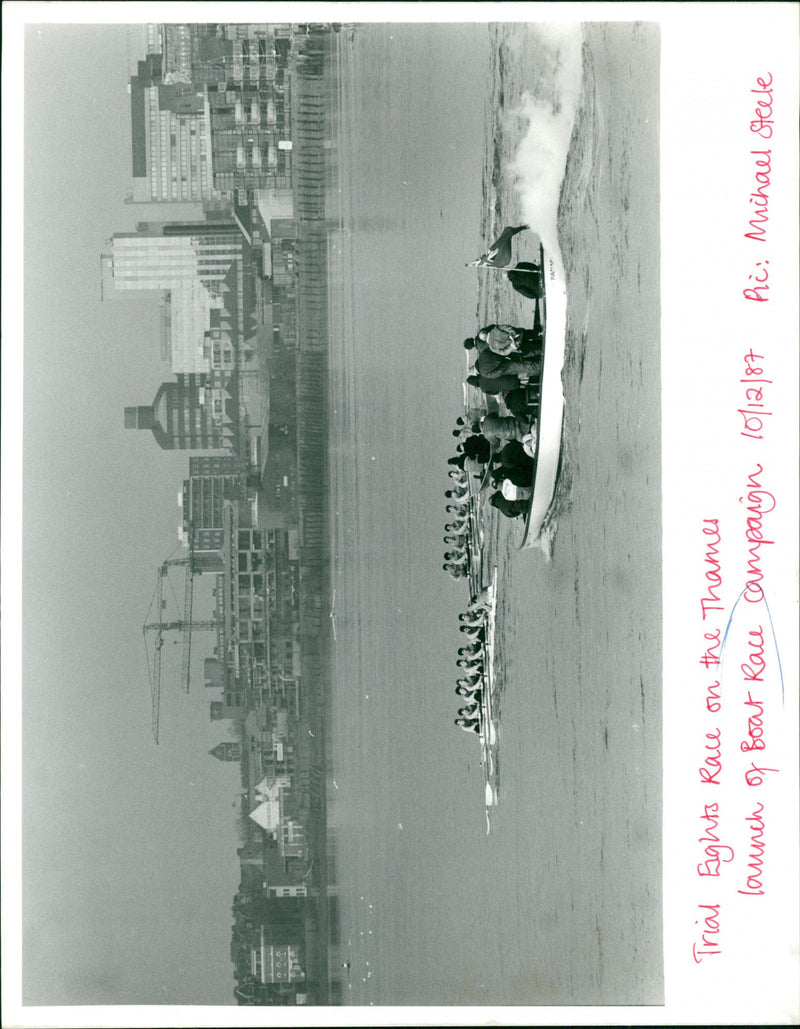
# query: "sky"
[[129, 849]]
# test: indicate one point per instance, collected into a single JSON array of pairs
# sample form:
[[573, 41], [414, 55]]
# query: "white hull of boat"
[[551, 406]]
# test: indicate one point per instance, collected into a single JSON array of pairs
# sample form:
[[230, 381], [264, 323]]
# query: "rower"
[[458, 508]]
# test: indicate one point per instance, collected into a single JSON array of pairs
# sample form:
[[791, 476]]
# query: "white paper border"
[[708, 52]]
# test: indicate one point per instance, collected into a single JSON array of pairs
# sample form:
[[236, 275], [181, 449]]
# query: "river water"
[[445, 134]]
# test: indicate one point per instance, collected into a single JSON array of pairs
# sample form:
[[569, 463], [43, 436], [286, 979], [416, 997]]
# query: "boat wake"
[[538, 169], [540, 162]]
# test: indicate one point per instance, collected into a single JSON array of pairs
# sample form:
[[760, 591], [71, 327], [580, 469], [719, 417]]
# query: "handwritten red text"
[[715, 852], [708, 944], [711, 601], [712, 765], [754, 411], [755, 882], [758, 502], [761, 124]]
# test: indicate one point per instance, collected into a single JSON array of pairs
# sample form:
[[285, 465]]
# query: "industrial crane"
[[184, 625]]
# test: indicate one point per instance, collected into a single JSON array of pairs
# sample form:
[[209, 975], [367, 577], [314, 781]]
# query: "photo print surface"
[[342, 492]]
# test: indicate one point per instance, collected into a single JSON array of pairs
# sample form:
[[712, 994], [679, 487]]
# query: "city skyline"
[[229, 306], [142, 789]]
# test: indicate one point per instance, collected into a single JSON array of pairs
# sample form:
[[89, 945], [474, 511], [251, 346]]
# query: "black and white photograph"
[[342, 513]]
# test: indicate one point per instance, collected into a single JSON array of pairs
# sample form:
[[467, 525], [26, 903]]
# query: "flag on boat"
[[499, 253]]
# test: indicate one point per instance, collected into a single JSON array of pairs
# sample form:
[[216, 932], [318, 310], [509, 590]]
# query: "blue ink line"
[[774, 640], [728, 628], [772, 630]]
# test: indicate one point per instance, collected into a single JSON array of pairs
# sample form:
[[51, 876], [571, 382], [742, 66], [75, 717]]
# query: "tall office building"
[[197, 267], [212, 480], [170, 131], [182, 417], [160, 254]]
